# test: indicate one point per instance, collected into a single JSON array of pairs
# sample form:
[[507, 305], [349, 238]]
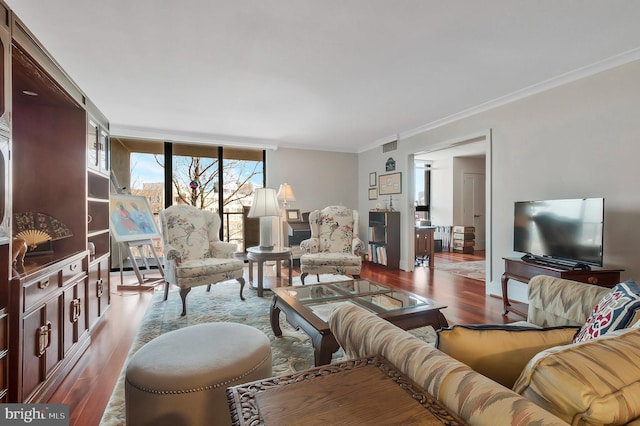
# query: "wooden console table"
[[368, 391], [519, 270]]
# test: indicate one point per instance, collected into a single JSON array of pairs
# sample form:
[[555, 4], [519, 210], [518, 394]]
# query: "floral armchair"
[[334, 246], [194, 254]]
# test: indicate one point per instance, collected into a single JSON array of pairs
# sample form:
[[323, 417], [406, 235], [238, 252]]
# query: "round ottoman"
[[181, 377]]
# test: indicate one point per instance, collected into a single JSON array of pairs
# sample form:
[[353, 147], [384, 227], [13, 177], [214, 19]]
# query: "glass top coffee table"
[[308, 308]]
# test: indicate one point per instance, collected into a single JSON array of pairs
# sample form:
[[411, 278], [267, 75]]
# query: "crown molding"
[[568, 77]]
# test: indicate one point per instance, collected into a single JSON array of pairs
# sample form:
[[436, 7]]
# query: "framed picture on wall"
[[372, 179], [390, 184], [373, 193]]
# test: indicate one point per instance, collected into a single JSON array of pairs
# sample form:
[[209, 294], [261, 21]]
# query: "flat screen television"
[[561, 232]]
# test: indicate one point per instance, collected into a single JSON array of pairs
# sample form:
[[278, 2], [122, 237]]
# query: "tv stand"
[[522, 270], [553, 263]]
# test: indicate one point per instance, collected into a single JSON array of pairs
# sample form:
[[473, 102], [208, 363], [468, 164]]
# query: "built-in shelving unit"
[[58, 166], [384, 238]]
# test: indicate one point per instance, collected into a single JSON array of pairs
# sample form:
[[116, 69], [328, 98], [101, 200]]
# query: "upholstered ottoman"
[[181, 377]]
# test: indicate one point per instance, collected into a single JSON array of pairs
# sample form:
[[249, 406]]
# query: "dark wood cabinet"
[[384, 238], [49, 332], [98, 290], [58, 167], [519, 270]]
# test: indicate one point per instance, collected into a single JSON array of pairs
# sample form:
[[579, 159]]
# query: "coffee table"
[[363, 391], [308, 308]]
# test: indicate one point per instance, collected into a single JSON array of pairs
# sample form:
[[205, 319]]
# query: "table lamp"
[[265, 205], [285, 194]]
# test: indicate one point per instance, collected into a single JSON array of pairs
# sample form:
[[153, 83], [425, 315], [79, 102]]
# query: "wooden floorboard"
[[88, 387]]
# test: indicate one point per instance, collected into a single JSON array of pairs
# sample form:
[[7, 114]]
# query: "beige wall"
[[318, 178], [581, 139]]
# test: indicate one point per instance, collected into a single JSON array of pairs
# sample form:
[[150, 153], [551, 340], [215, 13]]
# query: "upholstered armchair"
[[194, 254], [334, 246]]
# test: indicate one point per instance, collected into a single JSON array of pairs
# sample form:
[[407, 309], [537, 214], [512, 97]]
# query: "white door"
[[473, 205]]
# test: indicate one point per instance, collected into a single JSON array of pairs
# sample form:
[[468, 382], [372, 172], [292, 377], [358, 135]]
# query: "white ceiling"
[[342, 75]]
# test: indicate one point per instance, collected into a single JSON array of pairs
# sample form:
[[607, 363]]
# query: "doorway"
[[460, 187]]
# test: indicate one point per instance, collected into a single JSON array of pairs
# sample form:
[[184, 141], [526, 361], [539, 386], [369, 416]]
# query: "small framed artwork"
[[293, 215], [390, 165], [373, 193], [390, 184], [372, 179]]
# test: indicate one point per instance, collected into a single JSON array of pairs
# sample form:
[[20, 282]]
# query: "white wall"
[[581, 139], [318, 178]]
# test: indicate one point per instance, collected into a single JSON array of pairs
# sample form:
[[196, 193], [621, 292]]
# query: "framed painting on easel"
[[131, 219]]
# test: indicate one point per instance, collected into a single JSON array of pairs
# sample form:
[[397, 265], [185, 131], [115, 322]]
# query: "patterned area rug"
[[291, 352], [473, 270]]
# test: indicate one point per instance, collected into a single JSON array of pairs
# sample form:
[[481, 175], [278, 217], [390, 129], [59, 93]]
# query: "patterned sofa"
[[587, 383]]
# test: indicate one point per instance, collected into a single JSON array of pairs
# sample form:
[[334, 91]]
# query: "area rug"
[[474, 270], [291, 352]]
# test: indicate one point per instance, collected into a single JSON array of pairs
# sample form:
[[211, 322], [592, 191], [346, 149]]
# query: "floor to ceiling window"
[[219, 179]]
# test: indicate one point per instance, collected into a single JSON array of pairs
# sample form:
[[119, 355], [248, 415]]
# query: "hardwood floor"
[[88, 387]]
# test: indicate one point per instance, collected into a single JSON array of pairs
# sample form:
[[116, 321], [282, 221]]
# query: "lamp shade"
[[265, 203], [285, 193]]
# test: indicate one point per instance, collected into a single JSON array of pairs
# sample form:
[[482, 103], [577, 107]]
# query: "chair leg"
[[183, 296], [166, 289], [318, 277], [209, 287], [241, 281], [303, 276]]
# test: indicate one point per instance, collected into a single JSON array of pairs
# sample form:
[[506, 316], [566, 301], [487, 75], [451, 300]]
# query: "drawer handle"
[[592, 280], [43, 284], [43, 335], [73, 267], [100, 287], [76, 309]]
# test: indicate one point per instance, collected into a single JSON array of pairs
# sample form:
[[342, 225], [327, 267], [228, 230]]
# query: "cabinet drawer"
[[39, 290], [71, 270], [603, 279]]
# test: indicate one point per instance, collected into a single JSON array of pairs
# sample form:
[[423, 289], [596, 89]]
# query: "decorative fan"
[[36, 228]]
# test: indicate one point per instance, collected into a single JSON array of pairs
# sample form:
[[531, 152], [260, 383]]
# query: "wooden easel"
[[140, 264]]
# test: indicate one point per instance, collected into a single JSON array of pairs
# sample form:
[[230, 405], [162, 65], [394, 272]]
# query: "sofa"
[[561, 382]]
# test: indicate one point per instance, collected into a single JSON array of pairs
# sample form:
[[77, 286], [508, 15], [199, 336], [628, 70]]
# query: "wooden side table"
[[277, 254], [368, 391], [519, 270]]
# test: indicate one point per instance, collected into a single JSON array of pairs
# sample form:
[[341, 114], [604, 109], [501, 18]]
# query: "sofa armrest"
[[358, 247], [474, 397], [556, 301], [310, 245], [222, 249], [171, 253]]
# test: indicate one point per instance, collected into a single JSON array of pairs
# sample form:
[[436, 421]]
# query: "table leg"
[[505, 296], [260, 277], [291, 269], [432, 249], [251, 272], [274, 316], [324, 345], [278, 268]]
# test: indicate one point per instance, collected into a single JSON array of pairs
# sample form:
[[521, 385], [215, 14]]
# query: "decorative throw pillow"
[[596, 382], [618, 309], [499, 352]]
